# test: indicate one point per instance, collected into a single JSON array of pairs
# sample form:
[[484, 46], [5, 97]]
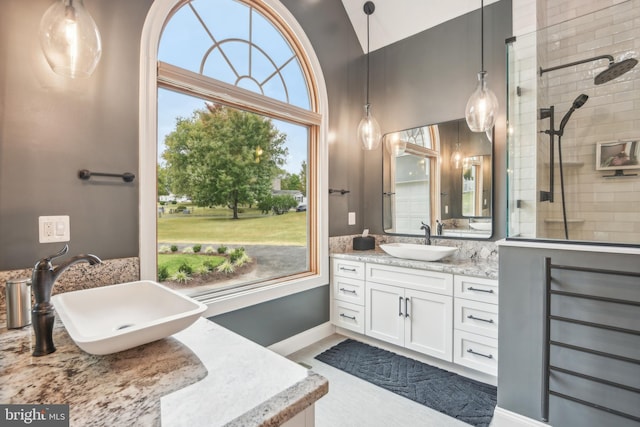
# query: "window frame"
[[150, 71]]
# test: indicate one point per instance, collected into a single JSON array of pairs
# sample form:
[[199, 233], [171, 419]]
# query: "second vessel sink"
[[118, 317], [418, 252]]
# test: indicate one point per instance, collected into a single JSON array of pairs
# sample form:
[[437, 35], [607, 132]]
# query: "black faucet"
[[427, 233], [42, 280]]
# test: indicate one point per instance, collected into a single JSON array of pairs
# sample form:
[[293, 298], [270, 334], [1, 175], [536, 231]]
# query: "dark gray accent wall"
[[273, 321], [50, 127], [520, 353], [428, 79]]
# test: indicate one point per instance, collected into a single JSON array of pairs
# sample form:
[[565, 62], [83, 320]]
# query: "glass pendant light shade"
[[456, 157], [369, 131], [70, 39], [482, 107]]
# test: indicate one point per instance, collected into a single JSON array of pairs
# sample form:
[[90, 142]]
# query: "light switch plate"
[[54, 229], [352, 218]]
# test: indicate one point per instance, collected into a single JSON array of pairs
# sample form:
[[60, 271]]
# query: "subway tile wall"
[[598, 208]]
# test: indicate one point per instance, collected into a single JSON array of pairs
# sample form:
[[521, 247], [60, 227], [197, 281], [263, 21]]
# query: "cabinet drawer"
[[476, 288], [475, 351], [476, 317], [348, 316], [421, 280], [348, 290], [352, 269]]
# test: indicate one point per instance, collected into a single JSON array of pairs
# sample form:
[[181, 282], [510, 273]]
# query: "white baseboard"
[[303, 339], [504, 418]]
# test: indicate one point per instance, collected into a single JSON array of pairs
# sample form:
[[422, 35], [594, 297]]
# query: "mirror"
[[440, 174]]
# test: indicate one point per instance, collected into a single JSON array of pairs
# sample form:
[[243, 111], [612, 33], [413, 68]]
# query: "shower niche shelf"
[[567, 164]]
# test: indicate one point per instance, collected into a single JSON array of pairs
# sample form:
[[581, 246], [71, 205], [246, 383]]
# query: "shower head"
[[577, 103], [615, 70]]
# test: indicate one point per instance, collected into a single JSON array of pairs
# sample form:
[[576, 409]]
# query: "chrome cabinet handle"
[[471, 316], [471, 288], [348, 317], [348, 290], [488, 356], [353, 270], [400, 306], [406, 307]]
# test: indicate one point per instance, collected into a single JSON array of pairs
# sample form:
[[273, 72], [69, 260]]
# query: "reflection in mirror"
[[439, 174]]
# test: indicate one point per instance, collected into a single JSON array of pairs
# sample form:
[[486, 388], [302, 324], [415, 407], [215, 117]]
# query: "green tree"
[[224, 156], [290, 182], [303, 178], [164, 189]]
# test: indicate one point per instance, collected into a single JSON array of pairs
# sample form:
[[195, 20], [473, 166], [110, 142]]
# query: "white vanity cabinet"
[[348, 290], [410, 308], [476, 323], [443, 315]]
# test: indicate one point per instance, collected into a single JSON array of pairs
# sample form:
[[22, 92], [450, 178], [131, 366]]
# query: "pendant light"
[[482, 106], [70, 39], [368, 130]]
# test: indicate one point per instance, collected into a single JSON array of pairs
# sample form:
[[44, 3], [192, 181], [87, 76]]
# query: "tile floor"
[[352, 402]]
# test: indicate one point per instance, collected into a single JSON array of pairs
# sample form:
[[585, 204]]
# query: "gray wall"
[[522, 279], [50, 127], [273, 321], [427, 79]]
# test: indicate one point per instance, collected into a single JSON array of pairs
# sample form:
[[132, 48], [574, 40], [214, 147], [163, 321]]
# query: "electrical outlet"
[[54, 229], [352, 218]]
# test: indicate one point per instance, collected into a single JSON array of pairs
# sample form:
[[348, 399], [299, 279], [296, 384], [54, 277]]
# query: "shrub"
[[181, 277], [222, 249], [236, 254], [174, 202], [164, 249], [209, 250], [174, 248], [242, 260], [185, 268], [226, 267], [187, 250], [197, 248], [163, 273], [163, 203], [210, 265], [203, 269]]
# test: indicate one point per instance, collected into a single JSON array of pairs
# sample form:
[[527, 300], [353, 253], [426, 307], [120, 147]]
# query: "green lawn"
[[215, 225]]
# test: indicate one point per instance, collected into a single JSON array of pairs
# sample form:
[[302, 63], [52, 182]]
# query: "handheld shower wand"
[[548, 113], [577, 103]]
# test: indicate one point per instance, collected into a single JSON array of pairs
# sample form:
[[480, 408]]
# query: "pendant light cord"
[[482, 35], [368, 15]]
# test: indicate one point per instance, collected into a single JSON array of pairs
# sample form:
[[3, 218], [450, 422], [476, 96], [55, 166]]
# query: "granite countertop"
[[476, 267], [203, 375]]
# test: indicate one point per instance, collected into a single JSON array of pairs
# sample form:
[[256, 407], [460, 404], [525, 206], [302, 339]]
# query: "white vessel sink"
[[483, 226], [417, 252], [118, 317]]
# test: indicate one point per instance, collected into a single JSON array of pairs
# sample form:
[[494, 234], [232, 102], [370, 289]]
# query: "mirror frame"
[[438, 193]]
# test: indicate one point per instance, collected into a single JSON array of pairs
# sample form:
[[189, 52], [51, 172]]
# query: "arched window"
[[232, 126]]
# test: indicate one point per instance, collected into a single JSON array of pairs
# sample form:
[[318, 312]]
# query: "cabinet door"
[[429, 327], [384, 311]]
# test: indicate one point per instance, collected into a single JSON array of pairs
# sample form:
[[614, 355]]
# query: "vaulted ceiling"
[[394, 20]]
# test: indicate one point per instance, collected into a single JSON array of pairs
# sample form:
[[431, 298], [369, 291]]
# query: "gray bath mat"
[[462, 398]]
